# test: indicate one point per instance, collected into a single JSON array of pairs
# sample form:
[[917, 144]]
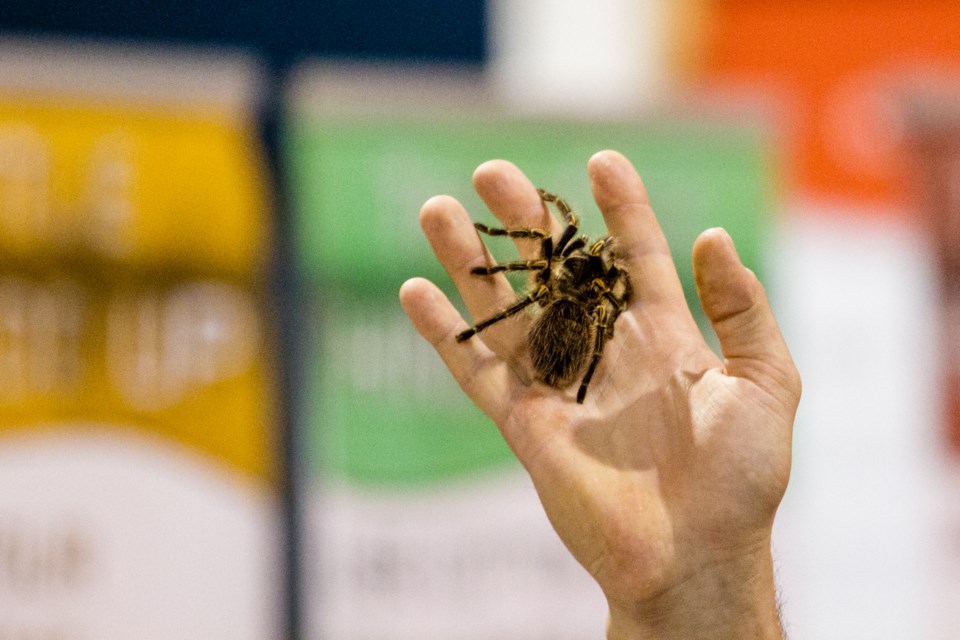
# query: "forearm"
[[733, 599]]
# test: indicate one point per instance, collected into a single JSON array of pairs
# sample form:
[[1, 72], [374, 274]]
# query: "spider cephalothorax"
[[581, 291]]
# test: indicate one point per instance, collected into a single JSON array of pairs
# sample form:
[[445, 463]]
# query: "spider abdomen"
[[561, 341]]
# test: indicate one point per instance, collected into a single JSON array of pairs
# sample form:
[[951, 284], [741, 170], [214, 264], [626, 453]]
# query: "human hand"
[[664, 483]]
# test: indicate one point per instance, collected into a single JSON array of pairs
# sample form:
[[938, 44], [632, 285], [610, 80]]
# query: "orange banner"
[[835, 70]]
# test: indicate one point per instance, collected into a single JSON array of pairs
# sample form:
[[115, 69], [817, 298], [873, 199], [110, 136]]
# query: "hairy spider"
[[581, 290]]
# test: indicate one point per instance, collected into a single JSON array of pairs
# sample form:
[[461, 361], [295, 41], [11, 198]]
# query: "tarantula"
[[581, 290]]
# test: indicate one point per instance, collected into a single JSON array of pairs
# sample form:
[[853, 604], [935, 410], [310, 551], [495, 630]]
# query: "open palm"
[[672, 469]]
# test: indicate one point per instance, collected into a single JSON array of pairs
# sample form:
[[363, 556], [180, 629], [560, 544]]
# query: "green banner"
[[378, 412]]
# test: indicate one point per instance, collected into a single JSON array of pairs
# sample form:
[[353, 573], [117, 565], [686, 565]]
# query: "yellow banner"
[[133, 241], [131, 184]]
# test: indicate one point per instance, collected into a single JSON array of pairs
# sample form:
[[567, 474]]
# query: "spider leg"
[[511, 233], [619, 302], [619, 305], [561, 205], [603, 323], [518, 265], [542, 266], [601, 327], [573, 222], [596, 249], [579, 243], [626, 293], [513, 309]]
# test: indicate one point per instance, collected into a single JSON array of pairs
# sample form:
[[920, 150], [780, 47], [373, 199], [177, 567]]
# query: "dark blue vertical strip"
[[286, 309]]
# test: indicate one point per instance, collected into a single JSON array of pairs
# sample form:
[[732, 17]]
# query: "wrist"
[[731, 598]]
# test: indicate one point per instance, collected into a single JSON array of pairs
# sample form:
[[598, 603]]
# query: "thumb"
[[737, 306]]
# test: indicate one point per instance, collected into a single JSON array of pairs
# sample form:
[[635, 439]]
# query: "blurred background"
[[216, 422]]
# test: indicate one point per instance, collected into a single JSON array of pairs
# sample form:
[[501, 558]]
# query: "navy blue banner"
[[277, 31]]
